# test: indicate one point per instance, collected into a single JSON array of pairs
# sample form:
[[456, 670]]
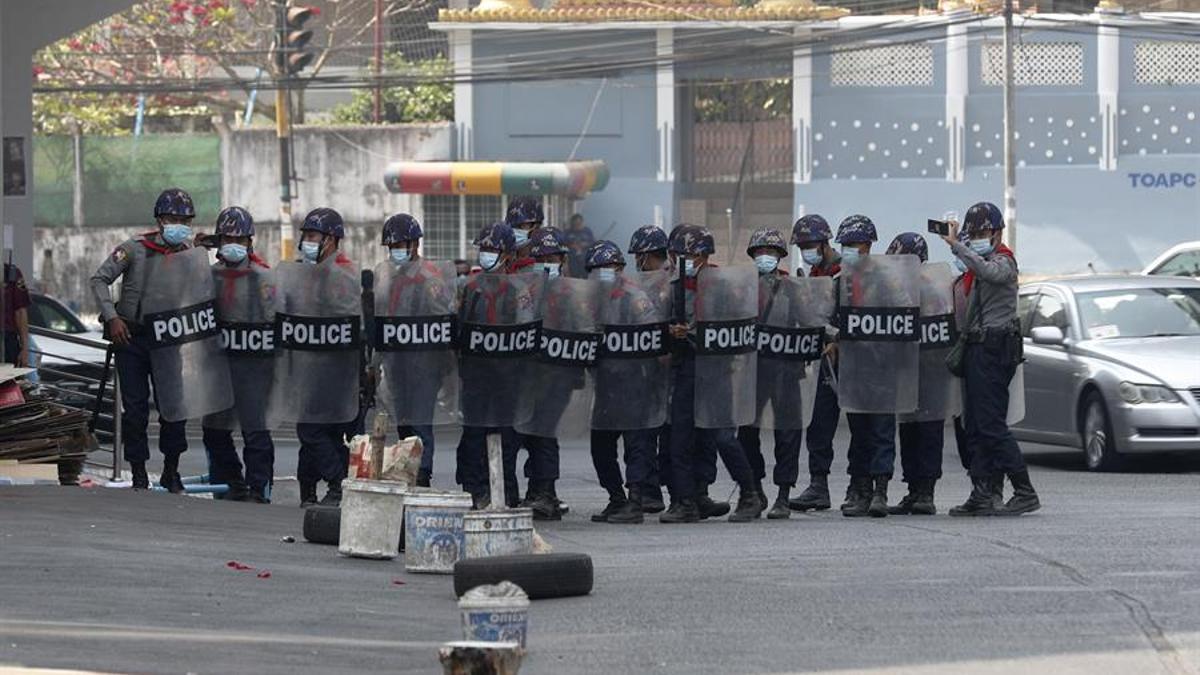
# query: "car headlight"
[[1146, 393]]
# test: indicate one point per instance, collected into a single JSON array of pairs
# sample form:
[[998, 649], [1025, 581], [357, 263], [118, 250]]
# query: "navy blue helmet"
[[522, 210], [983, 216], [768, 237], [235, 222], [547, 241], [174, 202], [326, 221], [909, 242], [856, 229], [811, 229], [603, 253], [498, 237], [400, 228], [648, 239]]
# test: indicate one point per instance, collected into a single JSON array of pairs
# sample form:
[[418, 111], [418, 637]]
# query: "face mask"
[[310, 250], [521, 236], [689, 267], [850, 255], [488, 259], [981, 246], [811, 256], [606, 274], [552, 270], [960, 266], [766, 263], [175, 234], [399, 255], [233, 253]]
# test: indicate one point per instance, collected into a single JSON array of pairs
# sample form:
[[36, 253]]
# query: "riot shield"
[[878, 334], [1016, 396], [938, 395], [633, 367], [318, 348], [792, 315], [499, 322], [246, 298], [414, 339], [190, 372], [556, 401], [726, 350]]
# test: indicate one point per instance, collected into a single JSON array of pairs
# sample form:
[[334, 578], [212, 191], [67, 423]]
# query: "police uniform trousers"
[[689, 468], [824, 422], [472, 464], [787, 454], [324, 454], [134, 371], [541, 466], [872, 444], [258, 451], [987, 372], [921, 449], [639, 460], [960, 440]]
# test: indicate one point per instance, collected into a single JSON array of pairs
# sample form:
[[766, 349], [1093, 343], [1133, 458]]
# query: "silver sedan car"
[[1112, 365]]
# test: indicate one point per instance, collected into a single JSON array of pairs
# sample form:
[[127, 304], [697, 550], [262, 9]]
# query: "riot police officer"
[[767, 248], [324, 455], [811, 233], [174, 211], [993, 351], [648, 245], [402, 237], [235, 238], [524, 214], [687, 479]]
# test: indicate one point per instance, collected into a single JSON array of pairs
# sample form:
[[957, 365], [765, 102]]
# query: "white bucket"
[[433, 531], [495, 619], [492, 533], [372, 515]]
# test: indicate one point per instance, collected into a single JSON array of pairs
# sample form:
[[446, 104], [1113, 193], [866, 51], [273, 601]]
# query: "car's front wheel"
[[1099, 446]]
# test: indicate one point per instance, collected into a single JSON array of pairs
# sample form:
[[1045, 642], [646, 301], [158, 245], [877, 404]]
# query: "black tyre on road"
[[1099, 445], [553, 575]]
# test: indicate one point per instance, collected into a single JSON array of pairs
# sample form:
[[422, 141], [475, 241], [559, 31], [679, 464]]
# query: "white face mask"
[[233, 253], [311, 250], [811, 256], [399, 255], [766, 263], [175, 233], [850, 255], [606, 274], [520, 236], [981, 246], [689, 267], [552, 269], [488, 259]]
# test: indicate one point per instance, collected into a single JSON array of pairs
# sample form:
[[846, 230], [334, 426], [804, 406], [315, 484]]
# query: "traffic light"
[[292, 58]]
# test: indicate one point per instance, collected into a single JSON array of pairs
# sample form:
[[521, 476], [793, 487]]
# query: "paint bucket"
[[498, 613], [492, 533], [372, 515], [433, 531]]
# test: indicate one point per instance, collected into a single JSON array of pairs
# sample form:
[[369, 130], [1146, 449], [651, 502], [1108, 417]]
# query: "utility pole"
[[378, 60], [1010, 119], [290, 58]]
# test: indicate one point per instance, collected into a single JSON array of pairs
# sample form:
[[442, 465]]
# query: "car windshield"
[[1140, 312], [47, 313]]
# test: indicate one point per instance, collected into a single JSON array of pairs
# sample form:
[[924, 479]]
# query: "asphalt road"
[[1106, 578]]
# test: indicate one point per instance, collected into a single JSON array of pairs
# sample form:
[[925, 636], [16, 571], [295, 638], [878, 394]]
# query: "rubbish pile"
[[40, 439]]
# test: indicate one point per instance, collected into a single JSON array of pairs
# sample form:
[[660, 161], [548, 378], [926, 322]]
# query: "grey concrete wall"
[[340, 167]]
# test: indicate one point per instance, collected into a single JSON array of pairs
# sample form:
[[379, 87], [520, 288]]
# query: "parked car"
[[60, 362], [1112, 365], [1181, 260]]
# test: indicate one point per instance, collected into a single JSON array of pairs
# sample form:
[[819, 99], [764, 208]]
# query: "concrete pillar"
[[464, 101], [664, 108], [1108, 85], [956, 99], [802, 109]]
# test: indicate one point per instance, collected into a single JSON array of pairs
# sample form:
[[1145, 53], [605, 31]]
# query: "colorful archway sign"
[[573, 179]]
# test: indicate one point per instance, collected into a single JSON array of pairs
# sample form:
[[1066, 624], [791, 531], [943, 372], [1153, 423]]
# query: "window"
[[446, 215], [46, 313], [1050, 312], [1140, 312], [1184, 264], [1025, 309]]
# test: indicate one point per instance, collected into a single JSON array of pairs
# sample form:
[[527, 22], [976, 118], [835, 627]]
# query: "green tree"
[[430, 98]]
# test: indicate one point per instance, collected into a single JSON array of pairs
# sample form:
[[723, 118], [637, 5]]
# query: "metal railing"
[[87, 386]]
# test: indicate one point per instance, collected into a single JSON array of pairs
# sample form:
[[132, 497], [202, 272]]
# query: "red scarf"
[[969, 277]]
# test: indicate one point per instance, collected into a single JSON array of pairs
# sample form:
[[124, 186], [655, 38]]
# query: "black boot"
[[480, 501], [1024, 499], [751, 504], [170, 476], [238, 490], [815, 497], [858, 497], [308, 494], [631, 512], [707, 507], [759, 489], [140, 480], [652, 500], [904, 507], [423, 478], [333, 495], [996, 482], [980, 503], [681, 511], [879, 507], [616, 501], [781, 510], [543, 502], [924, 505]]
